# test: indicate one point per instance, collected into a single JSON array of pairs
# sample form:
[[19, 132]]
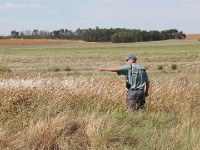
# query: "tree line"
[[114, 35]]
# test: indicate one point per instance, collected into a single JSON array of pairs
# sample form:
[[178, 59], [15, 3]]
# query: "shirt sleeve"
[[123, 70]]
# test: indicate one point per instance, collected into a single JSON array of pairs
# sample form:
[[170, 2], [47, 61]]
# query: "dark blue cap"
[[132, 57]]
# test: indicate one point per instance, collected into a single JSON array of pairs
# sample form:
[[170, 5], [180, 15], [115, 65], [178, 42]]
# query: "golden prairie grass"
[[90, 113], [175, 95]]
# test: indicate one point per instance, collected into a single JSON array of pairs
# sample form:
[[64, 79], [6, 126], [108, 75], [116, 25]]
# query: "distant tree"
[[56, 34], [155, 35], [21, 34], [27, 33], [14, 34], [70, 33], [44, 34], [168, 34], [79, 33], [35, 32], [180, 35], [118, 35], [183, 35], [171, 33], [61, 33]]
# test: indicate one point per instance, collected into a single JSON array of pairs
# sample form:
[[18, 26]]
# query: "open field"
[[84, 58], [52, 97]]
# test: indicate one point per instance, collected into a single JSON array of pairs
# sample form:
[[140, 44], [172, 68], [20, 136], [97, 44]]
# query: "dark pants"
[[135, 99]]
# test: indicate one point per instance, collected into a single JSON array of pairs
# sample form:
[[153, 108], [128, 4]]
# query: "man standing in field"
[[137, 82]]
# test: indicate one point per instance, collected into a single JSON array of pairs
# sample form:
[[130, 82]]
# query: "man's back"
[[136, 76]]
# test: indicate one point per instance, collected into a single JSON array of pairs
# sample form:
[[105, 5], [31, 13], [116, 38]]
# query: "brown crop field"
[[24, 42], [192, 36]]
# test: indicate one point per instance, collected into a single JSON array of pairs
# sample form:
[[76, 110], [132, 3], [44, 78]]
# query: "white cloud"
[[11, 6]]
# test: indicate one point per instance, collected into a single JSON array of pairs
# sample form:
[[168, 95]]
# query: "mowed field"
[[53, 97], [41, 55]]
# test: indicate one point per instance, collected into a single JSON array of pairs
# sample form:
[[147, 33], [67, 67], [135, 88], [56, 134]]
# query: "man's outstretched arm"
[[108, 69]]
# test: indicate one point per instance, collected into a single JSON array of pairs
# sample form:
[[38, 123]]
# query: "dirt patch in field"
[[23, 42], [192, 36]]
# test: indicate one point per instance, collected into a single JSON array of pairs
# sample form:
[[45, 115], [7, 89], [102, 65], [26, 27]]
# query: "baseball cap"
[[132, 57]]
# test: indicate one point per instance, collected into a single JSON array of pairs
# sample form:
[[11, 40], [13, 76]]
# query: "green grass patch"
[[4, 68], [67, 68], [160, 67], [174, 66], [54, 69]]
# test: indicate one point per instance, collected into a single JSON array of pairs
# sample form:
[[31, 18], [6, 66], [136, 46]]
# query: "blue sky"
[[21, 15]]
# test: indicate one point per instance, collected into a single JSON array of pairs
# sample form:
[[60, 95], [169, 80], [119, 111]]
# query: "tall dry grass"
[[90, 113], [175, 95]]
